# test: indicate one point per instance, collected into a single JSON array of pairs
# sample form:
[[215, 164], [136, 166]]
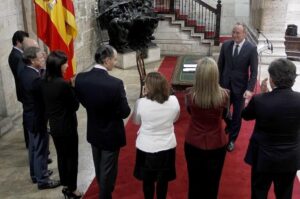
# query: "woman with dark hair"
[[205, 141], [61, 106], [155, 158]]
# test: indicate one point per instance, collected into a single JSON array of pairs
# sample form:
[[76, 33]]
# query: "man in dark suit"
[[274, 148], [34, 119], [238, 72], [16, 65], [104, 99]]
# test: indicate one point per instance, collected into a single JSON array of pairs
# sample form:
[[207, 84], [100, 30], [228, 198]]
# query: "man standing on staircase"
[[237, 63]]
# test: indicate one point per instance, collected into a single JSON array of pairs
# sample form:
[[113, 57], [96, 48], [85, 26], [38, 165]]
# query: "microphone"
[[258, 31], [271, 48]]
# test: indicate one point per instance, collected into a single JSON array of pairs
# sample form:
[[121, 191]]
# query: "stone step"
[[268, 58]]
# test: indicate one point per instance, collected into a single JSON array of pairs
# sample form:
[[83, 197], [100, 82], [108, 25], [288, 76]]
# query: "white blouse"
[[156, 132]]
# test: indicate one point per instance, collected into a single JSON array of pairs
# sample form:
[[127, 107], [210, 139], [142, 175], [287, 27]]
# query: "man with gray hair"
[[104, 98], [274, 147], [34, 119]]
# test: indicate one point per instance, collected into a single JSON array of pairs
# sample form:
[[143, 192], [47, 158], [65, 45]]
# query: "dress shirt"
[[100, 67], [18, 49], [34, 69], [239, 48], [156, 132]]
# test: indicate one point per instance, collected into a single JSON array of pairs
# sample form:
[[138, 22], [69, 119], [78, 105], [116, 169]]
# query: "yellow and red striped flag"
[[56, 27]]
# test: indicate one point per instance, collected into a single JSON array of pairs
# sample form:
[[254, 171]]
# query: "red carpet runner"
[[235, 182]]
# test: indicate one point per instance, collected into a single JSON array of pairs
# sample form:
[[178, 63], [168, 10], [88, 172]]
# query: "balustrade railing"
[[196, 13]]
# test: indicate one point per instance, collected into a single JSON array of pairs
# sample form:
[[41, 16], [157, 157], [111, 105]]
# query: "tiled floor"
[[15, 181]]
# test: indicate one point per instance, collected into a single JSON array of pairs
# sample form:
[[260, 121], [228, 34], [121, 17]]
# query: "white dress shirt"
[[156, 132], [239, 48]]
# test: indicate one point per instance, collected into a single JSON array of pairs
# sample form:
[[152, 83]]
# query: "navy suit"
[[274, 146], [237, 74], [35, 123], [105, 101]]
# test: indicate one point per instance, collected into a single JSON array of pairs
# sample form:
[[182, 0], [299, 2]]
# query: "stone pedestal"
[[128, 60]]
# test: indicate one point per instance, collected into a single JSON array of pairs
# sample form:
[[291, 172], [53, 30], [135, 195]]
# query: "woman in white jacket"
[[156, 142]]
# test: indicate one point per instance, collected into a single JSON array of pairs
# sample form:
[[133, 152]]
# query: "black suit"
[[274, 146], [235, 76], [105, 101], [16, 65], [35, 123], [61, 106]]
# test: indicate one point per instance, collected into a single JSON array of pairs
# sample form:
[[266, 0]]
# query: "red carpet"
[[235, 182]]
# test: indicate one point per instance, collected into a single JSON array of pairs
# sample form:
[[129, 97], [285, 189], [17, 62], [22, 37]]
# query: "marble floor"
[[15, 181]]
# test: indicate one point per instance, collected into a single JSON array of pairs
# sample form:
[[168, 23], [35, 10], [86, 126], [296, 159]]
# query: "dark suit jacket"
[[275, 143], [16, 65], [105, 101], [33, 107], [234, 72], [60, 106]]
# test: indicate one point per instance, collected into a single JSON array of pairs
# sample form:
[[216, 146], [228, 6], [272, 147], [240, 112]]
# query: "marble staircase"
[[175, 36]]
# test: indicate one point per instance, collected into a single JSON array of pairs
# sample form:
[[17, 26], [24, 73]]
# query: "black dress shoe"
[[230, 146], [49, 161], [49, 185]]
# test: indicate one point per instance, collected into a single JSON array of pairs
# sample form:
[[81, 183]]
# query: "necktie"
[[236, 51]]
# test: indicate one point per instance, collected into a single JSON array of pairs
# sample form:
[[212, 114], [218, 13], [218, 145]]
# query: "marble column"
[[273, 25], [274, 17], [293, 13]]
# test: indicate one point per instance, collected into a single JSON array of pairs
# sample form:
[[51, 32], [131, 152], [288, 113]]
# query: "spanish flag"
[[56, 27]]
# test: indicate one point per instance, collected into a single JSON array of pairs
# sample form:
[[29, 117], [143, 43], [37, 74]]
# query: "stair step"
[[200, 28], [182, 17], [191, 22], [293, 53]]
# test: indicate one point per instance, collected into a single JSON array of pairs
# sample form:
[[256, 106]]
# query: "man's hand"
[[264, 86], [247, 95]]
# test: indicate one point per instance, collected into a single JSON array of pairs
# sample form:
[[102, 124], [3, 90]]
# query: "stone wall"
[[20, 15], [233, 11], [293, 14], [11, 19]]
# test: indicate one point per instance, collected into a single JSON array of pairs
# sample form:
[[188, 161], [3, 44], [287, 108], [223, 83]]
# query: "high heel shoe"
[[70, 195]]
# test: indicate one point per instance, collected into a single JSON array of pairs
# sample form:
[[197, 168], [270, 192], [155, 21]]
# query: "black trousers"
[[160, 187], [204, 171], [106, 168], [238, 103], [67, 159], [261, 183], [26, 133]]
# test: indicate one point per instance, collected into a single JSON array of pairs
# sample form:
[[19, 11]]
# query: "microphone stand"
[[270, 45]]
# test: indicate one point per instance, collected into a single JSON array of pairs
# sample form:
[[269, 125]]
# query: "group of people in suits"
[[27, 61], [274, 146]]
